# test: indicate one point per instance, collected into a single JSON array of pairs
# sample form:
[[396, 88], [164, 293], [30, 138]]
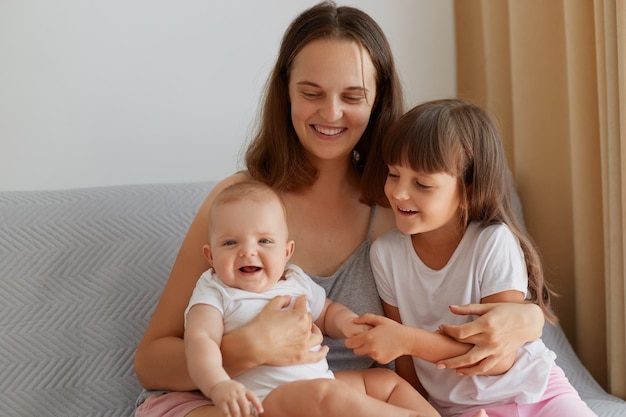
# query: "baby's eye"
[[265, 241], [229, 243]]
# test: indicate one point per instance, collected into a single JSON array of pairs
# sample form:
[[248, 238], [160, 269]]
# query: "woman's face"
[[332, 88]]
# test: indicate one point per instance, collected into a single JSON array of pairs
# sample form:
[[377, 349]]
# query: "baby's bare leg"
[[387, 386], [331, 398]]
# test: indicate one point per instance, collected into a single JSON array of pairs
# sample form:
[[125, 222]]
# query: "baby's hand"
[[350, 328], [233, 399]]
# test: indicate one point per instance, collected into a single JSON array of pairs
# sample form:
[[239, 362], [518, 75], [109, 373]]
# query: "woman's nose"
[[332, 109]]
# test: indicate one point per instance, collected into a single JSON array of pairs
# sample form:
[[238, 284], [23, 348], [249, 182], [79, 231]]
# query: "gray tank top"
[[353, 286]]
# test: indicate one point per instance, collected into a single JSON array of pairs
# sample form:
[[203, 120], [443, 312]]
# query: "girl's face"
[[423, 202], [332, 88], [249, 244]]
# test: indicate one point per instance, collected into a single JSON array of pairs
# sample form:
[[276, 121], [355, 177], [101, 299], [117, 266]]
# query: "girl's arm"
[[275, 337], [390, 339], [404, 364]]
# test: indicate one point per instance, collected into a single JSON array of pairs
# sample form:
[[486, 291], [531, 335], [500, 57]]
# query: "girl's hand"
[[285, 337], [497, 334], [233, 399], [381, 343]]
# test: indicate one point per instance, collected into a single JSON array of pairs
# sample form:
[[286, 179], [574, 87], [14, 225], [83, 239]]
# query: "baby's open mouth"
[[249, 269]]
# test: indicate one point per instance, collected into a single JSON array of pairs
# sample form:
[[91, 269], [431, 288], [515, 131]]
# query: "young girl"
[[457, 242]]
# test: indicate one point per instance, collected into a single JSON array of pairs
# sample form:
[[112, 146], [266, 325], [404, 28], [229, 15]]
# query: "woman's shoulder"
[[383, 222]]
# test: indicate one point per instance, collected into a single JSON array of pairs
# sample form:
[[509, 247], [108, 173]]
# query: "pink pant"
[[560, 399], [172, 404]]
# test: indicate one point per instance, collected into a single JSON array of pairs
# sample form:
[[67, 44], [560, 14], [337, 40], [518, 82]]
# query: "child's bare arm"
[[391, 339], [337, 321], [203, 334]]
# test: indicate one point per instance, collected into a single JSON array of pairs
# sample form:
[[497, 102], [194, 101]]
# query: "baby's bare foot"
[[481, 413]]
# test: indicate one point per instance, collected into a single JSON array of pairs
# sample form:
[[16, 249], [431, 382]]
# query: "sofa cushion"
[[80, 272]]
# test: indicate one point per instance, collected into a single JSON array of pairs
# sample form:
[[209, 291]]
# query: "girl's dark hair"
[[462, 139], [275, 155]]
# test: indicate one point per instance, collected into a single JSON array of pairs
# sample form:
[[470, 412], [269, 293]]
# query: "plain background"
[[113, 92]]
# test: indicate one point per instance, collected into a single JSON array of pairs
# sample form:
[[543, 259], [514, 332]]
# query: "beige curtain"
[[554, 74]]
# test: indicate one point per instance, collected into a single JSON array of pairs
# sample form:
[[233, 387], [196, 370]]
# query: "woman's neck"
[[336, 181]]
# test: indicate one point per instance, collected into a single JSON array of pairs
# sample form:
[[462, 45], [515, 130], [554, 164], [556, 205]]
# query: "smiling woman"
[[331, 98]]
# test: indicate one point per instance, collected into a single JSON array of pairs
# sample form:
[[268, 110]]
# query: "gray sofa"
[[80, 272]]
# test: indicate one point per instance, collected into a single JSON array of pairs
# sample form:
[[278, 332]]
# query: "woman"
[[333, 91]]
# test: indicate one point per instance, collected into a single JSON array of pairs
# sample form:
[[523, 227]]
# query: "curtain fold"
[[611, 62], [552, 72]]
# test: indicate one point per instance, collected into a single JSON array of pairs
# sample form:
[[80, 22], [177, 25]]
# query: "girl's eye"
[[392, 175], [422, 186]]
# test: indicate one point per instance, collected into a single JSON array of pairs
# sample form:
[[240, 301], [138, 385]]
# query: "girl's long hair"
[[462, 139]]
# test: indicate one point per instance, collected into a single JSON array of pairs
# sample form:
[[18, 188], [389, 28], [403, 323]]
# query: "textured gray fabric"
[[81, 271]]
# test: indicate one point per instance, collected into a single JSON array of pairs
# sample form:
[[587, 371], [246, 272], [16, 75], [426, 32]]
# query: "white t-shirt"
[[239, 307], [487, 261]]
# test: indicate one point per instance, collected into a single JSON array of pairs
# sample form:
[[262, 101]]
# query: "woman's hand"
[[285, 336], [497, 334]]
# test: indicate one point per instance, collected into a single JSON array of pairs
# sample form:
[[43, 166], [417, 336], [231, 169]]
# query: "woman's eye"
[[354, 99], [309, 94]]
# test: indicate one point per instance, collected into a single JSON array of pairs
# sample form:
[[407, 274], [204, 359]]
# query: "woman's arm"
[[499, 332], [273, 337]]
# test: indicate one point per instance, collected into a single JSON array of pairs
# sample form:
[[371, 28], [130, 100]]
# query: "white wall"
[[108, 92]]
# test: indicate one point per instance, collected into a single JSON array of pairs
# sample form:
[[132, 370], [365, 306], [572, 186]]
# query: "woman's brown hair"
[[275, 155], [463, 140]]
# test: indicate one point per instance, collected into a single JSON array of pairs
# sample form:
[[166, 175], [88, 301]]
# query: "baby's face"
[[249, 244]]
